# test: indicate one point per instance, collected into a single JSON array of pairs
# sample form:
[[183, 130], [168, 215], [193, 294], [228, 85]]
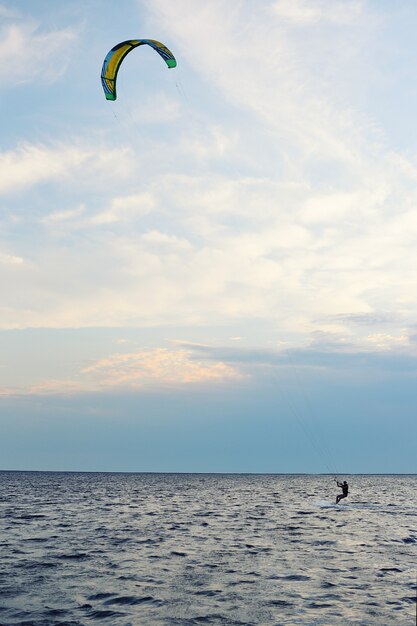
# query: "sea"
[[128, 549]]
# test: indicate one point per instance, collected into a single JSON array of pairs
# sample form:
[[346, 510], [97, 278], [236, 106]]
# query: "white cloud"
[[126, 208], [64, 216], [10, 259], [31, 164], [145, 112], [283, 79], [305, 11], [248, 249], [270, 198], [30, 55], [383, 341], [139, 371], [158, 366], [7, 12], [213, 142]]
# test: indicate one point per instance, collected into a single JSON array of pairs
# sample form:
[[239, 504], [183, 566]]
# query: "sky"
[[217, 271]]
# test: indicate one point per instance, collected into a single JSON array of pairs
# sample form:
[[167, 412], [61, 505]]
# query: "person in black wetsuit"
[[345, 490]]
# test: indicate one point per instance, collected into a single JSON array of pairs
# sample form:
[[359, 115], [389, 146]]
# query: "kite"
[[115, 58]]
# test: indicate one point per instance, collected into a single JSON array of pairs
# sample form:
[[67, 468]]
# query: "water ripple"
[[185, 550]]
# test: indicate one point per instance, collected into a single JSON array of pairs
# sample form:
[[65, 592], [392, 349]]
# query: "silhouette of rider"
[[345, 490]]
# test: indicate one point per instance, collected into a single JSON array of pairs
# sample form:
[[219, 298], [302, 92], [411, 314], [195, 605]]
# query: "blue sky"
[[216, 272]]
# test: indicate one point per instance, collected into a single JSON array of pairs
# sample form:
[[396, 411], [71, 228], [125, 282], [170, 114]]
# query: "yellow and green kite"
[[116, 55]]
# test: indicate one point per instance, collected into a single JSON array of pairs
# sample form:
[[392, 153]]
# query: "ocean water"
[[183, 549]]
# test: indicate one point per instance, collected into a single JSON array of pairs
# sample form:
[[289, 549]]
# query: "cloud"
[[10, 259], [30, 55], [192, 365], [64, 216], [167, 111], [32, 164], [366, 319], [306, 12], [158, 368], [211, 143], [387, 342], [7, 12], [289, 82], [383, 353], [212, 250], [269, 202], [126, 208]]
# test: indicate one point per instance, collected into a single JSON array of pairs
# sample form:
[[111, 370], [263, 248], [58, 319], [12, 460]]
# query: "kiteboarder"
[[345, 490]]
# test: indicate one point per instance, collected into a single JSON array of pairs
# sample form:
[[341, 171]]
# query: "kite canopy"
[[116, 55]]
